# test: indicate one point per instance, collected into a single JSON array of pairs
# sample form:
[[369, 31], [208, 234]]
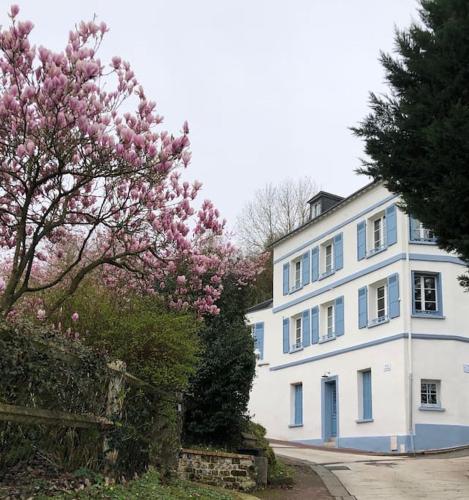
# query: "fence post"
[[114, 404]]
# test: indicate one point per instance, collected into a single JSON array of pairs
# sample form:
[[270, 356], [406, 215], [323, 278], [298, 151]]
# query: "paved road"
[[373, 477]]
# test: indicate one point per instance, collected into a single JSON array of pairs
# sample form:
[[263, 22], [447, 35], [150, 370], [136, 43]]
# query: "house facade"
[[365, 343]]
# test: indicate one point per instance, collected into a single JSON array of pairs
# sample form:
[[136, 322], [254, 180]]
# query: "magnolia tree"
[[86, 187]]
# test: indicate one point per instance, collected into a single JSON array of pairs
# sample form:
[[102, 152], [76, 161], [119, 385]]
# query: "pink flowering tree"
[[86, 187]]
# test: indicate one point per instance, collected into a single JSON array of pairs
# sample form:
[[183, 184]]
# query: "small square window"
[[430, 393]]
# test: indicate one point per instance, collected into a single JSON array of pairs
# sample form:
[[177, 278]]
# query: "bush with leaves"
[[217, 399]]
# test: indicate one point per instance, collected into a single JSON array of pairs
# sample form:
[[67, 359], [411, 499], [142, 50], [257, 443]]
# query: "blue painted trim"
[[331, 354], [324, 416], [437, 258], [336, 228], [368, 270], [366, 443], [431, 408], [325, 275], [372, 325], [434, 436], [371, 253], [427, 316], [342, 281], [417, 242], [364, 420], [294, 426], [371, 343], [439, 295], [430, 336]]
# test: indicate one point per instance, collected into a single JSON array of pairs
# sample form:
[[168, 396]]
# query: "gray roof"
[[267, 304]]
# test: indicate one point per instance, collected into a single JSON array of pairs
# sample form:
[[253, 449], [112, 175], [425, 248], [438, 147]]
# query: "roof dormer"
[[321, 202]]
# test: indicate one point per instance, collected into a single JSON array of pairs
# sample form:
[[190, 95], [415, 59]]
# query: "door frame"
[[324, 416]]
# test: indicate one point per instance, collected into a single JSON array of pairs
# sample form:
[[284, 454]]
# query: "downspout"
[[408, 325]]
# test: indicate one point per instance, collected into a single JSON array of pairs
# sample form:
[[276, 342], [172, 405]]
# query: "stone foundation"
[[228, 470]]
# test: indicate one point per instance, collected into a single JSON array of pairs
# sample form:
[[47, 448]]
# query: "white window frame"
[[315, 210], [296, 338], [330, 320], [297, 273], [380, 242], [428, 392], [329, 258], [381, 312], [424, 234], [373, 300], [421, 276]]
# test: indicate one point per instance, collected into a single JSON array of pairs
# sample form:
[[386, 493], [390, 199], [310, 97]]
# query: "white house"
[[365, 343]]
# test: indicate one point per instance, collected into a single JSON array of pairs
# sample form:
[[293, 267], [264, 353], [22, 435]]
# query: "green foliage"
[[278, 474], [418, 136], [39, 368], [158, 346], [216, 402], [150, 486]]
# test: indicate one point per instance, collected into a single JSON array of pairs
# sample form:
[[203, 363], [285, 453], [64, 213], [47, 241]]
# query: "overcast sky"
[[269, 87]]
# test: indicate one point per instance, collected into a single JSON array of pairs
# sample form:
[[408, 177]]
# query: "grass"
[[149, 486]]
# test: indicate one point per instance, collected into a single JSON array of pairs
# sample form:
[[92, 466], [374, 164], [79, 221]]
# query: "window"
[[297, 342], [330, 321], [297, 274], [257, 331], [430, 393], [378, 233], [426, 291], [315, 210], [297, 405], [365, 396], [328, 268], [419, 233], [381, 302]]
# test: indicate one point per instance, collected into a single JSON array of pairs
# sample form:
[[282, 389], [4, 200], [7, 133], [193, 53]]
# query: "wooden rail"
[[22, 414]]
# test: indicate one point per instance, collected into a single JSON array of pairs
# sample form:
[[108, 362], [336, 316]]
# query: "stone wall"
[[228, 470]]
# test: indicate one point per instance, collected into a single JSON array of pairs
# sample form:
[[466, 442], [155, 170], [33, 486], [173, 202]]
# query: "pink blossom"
[[41, 314], [75, 316], [14, 10]]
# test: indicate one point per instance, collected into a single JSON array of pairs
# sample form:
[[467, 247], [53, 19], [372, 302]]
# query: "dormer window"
[[315, 209]]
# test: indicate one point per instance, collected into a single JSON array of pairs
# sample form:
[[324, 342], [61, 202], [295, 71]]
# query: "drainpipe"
[[408, 324]]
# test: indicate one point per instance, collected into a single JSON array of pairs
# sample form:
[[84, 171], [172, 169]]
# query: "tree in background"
[[417, 137], [273, 212], [75, 168], [217, 399]]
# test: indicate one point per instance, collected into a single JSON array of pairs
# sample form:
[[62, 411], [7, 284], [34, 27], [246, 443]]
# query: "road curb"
[[332, 483]]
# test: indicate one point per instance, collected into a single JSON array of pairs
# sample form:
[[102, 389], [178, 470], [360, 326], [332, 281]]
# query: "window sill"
[[428, 316], [295, 289], [325, 338], [263, 364], [373, 252], [423, 242], [364, 420], [374, 322], [326, 275], [293, 426], [431, 408], [295, 349]]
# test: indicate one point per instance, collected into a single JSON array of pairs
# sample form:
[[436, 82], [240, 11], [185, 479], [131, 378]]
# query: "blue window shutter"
[[315, 264], [286, 334], [413, 228], [338, 252], [361, 240], [391, 225], [260, 339], [298, 404], [363, 307], [305, 269], [339, 316], [439, 294], [367, 403], [306, 328], [286, 278], [393, 293], [315, 325]]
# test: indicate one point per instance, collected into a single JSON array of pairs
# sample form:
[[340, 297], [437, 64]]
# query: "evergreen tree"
[[417, 137], [217, 400]]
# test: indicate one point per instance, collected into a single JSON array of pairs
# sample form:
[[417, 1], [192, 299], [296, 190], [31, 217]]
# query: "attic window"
[[315, 209]]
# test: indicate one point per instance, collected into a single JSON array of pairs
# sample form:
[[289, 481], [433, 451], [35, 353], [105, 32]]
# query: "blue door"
[[333, 410], [330, 410]]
